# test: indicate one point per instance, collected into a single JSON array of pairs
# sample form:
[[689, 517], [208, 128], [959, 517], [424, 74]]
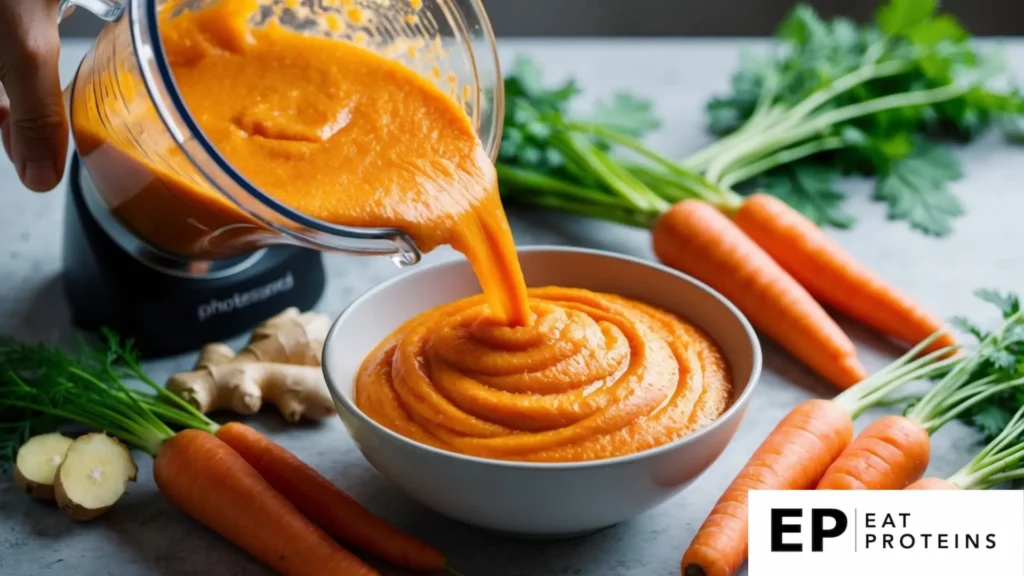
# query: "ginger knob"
[[279, 366]]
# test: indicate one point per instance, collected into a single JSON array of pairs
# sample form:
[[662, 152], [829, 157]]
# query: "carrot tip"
[[693, 570]]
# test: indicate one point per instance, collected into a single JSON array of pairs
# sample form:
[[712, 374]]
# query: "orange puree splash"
[[595, 376]]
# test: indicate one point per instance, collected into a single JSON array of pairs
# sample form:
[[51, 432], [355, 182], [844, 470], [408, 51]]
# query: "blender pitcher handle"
[[108, 10]]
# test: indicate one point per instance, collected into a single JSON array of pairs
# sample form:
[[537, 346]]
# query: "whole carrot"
[[695, 238], [794, 457], [831, 274], [893, 452], [208, 480], [326, 504]]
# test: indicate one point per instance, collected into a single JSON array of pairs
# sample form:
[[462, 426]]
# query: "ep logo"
[[821, 523], [882, 533]]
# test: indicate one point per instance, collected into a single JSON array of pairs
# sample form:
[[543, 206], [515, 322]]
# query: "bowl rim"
[[738, 404]]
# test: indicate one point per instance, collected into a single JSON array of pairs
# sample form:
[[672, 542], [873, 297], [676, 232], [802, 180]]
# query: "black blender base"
[[167, 314]]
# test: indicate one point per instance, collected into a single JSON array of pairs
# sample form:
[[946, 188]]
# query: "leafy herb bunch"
[[833, 98], [1005, 361], [551, 159]]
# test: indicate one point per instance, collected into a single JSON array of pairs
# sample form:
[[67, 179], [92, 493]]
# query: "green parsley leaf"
[[901, 16], [1011, 120], [803, 26], [964, 325], [1013, 337], [626, 114], [992, 418], [725, 114], [810, 189], [917, 189], [528, 74], [942, 28], [1004, 360], [1008, 304]]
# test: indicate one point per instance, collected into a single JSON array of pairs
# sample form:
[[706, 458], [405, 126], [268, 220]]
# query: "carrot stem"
[[959, 390], [905, 369], [785, 156], [792, 131], [979, 391], [113, 342], [700, 186], [526, 179], [999, 462], [663, 184], [635, 193]]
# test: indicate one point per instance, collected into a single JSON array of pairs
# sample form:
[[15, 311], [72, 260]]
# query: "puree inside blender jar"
[[340, 133]]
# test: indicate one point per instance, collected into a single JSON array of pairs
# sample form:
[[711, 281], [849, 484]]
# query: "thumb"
[[36, 129]]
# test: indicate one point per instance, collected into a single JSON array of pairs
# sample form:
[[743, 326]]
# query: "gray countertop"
[[145, 535]]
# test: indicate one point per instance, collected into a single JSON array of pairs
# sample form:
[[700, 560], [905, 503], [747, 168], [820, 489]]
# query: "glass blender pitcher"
[[165, 241]]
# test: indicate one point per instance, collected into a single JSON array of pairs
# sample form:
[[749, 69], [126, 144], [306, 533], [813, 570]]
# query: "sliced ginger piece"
[[94, 475], [279, 366], [37, 462]]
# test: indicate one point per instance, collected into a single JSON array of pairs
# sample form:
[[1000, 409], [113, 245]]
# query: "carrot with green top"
[[597, 166], [795, 455], [691, 234], [327, 505], [831, 274], [201, 475], [39, 379], [894, 451]]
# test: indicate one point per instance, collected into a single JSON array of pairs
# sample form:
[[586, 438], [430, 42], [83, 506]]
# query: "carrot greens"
[[1001, 461], [42, 386], [830, 98], [991, 415]]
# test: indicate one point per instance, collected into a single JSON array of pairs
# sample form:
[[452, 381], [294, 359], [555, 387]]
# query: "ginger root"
[[36, 465], [93, 476], [279, 366]]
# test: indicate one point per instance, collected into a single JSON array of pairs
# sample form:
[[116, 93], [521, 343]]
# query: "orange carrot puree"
[[594, 376]]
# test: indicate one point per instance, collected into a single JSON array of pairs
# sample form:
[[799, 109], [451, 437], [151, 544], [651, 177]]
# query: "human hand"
[[32, 120]]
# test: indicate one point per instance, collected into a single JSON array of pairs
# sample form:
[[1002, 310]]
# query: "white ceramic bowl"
[[540, 500]]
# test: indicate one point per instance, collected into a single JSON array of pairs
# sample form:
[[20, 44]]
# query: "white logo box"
[[897, 533]]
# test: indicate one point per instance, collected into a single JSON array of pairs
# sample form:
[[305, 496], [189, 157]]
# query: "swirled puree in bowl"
[[590, 376], [352, 137]]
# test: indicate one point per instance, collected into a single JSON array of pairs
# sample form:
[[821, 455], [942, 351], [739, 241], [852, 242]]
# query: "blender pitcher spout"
[[109, 10]]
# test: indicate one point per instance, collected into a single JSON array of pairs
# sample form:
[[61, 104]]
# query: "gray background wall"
[[681, 17]]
